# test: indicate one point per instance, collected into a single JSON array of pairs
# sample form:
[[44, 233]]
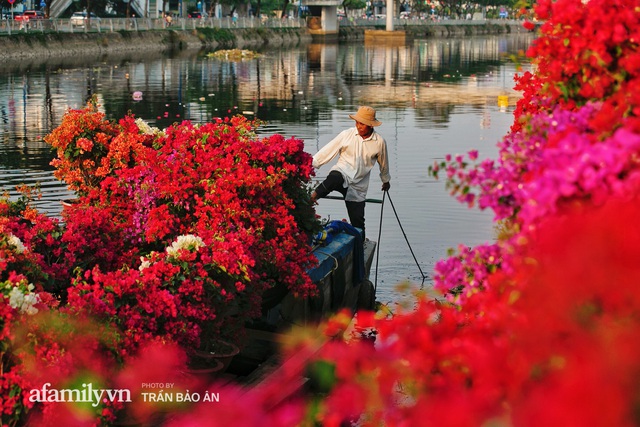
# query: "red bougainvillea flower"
[[528, 25], [230, 211]]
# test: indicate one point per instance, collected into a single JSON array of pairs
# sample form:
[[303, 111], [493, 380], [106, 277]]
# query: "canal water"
[[434, 97]]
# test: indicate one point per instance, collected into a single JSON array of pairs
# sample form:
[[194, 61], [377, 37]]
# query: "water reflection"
[[433, 96]]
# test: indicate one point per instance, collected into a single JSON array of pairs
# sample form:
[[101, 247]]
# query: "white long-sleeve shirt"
[[357, 158]]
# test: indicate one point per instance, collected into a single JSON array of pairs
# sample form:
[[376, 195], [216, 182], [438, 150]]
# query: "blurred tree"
[[458, 8], [5, 5], [523, 7], [353, 5], [453, 8], [266, 7], [420, 6]]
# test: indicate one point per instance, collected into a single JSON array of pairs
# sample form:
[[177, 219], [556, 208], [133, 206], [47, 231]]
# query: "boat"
[[342, 278]]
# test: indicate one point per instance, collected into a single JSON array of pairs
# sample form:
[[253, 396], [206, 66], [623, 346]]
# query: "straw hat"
[[367, 116]]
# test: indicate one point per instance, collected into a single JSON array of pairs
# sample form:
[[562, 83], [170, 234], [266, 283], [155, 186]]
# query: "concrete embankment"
[[86, 47], [441, 30], [89, 46]]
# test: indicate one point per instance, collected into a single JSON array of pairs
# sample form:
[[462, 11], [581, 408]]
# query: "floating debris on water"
[[234, 54]]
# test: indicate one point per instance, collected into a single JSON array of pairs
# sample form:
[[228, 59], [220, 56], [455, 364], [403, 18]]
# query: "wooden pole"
[[342, 198]]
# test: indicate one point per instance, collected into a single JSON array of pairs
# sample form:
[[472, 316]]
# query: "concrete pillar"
[[388, 66], [390, 12], [330, 18]]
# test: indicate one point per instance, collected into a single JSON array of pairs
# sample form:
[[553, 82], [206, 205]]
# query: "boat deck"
[[334, 275]]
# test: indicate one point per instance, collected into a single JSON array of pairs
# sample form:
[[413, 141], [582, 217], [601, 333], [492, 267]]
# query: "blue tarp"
[[345, 238]]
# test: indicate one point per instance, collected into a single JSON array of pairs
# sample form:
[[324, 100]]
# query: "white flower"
[[23, 302], [145, 263], [145, 128], [30, 310], [188, 242], [16, 298], [28, 305], [16, 242]]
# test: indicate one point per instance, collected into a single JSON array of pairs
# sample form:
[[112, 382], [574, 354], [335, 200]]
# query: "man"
[[358, 149]]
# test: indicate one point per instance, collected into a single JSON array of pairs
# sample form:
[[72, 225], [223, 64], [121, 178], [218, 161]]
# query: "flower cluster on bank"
[[173, 240]]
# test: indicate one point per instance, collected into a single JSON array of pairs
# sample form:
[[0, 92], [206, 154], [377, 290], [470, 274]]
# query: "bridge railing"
[[145, 24], [398, 23], [8, 26]]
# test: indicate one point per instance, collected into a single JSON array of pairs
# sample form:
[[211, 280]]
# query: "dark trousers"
[[335, 182]]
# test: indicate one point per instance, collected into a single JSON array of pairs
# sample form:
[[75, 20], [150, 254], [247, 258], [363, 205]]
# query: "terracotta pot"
[[205, 367], [220, 350]]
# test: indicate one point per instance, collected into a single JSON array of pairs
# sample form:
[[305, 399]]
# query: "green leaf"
[[322, 375]]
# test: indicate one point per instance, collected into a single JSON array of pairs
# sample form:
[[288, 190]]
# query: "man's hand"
[[386, 186]]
